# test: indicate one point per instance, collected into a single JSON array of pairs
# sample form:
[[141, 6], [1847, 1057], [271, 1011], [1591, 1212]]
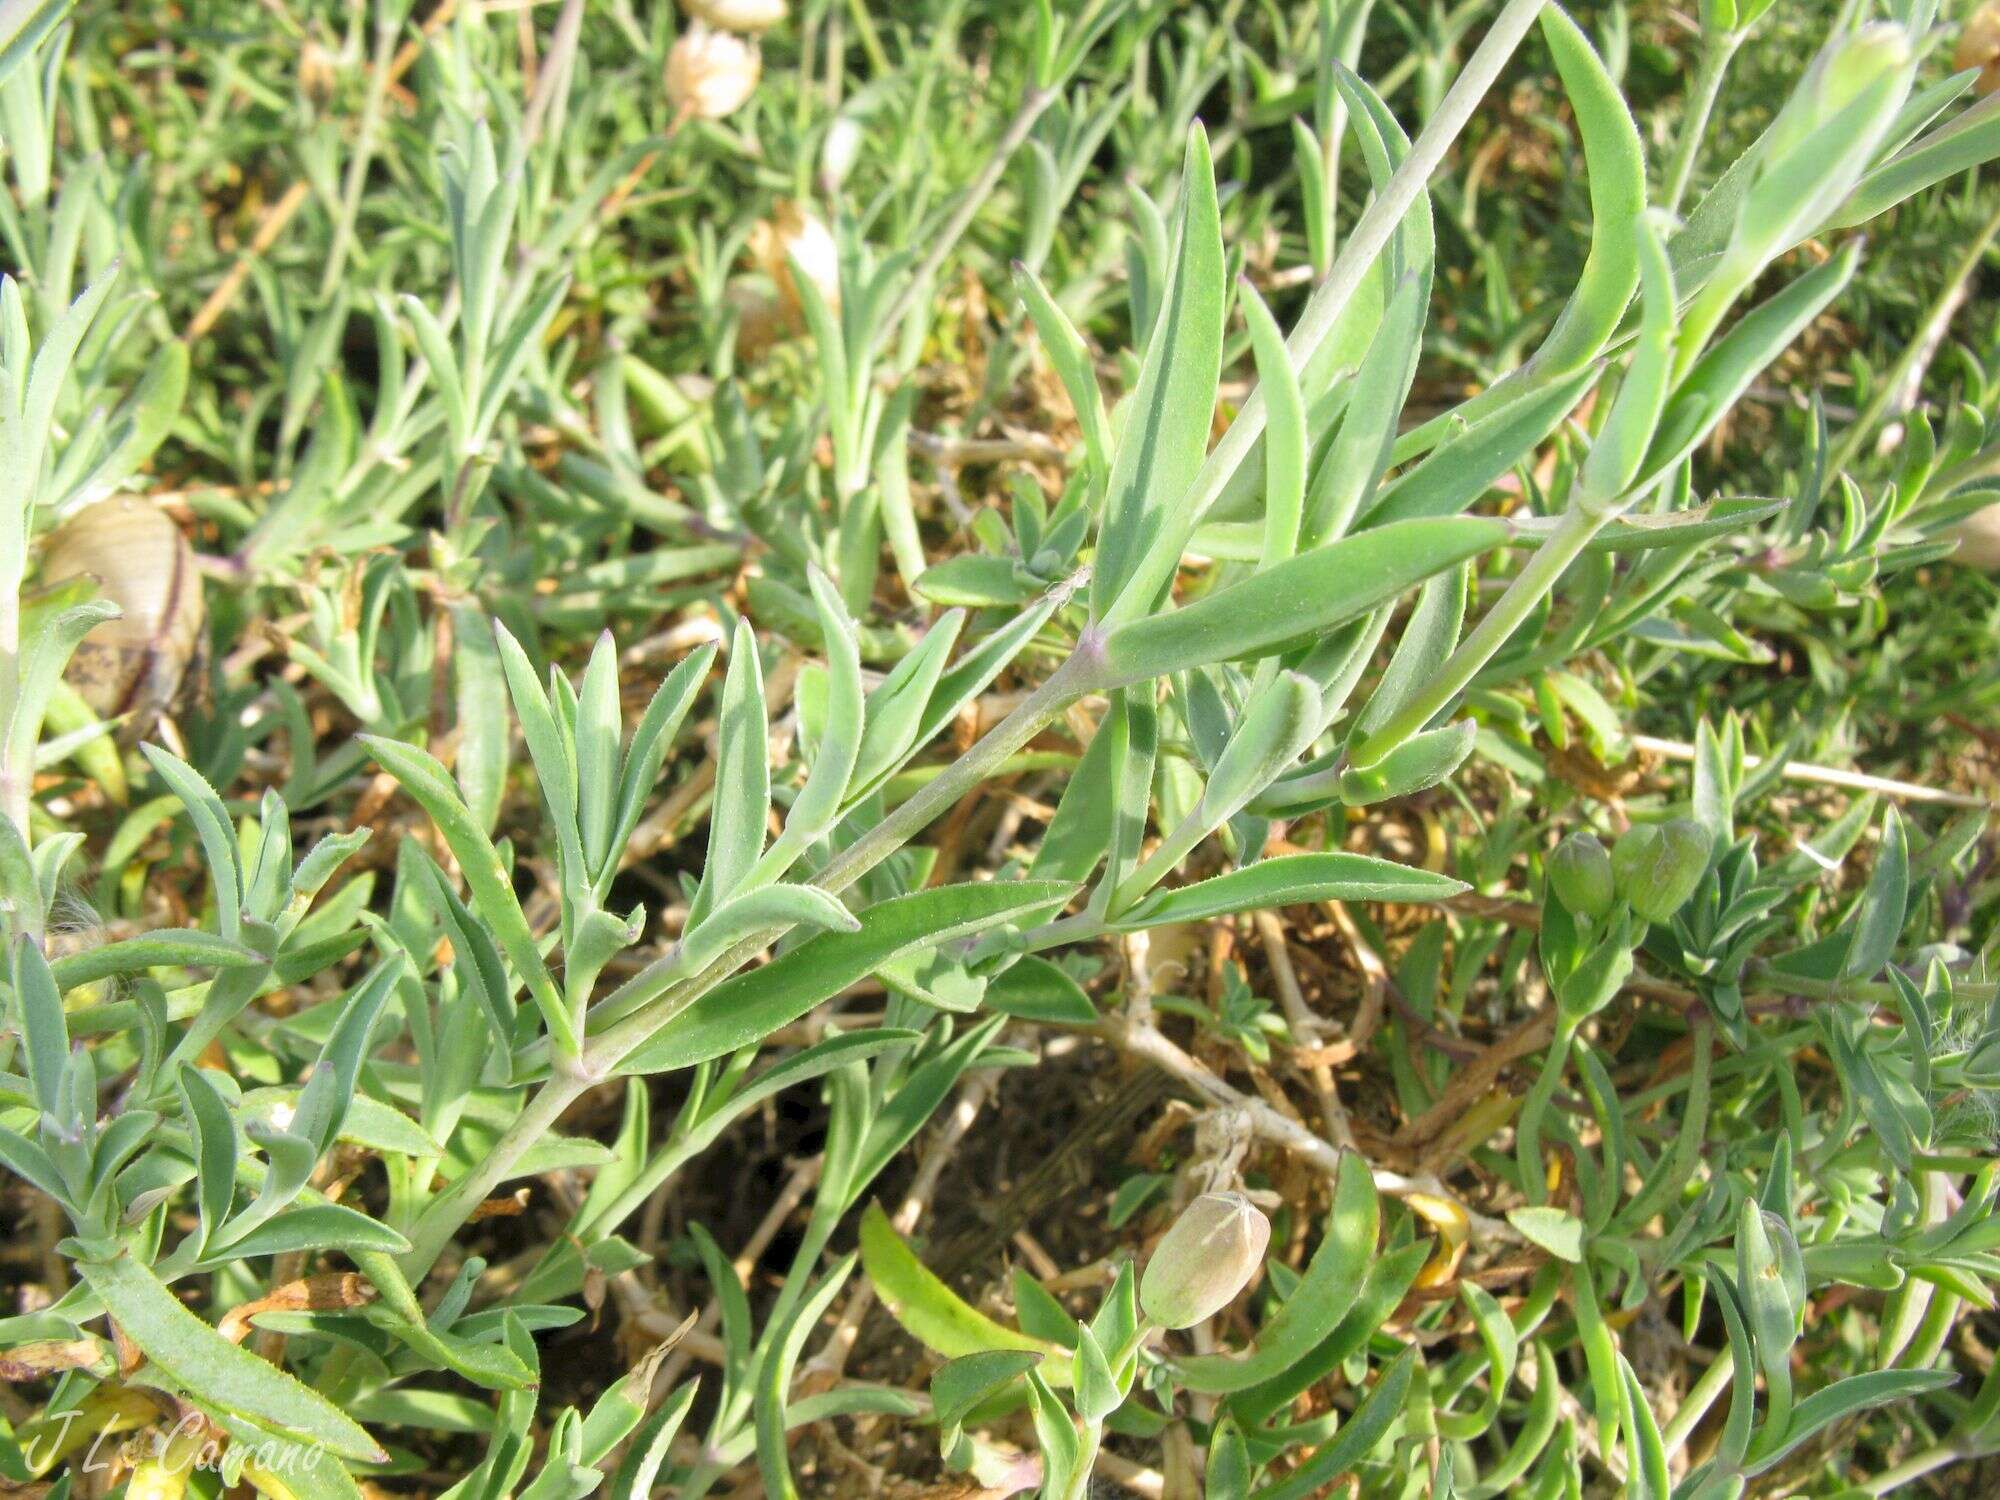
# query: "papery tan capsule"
[[1204, 1260], [1978, 538], [797, 234], [760, 316], [737, 15], [1979, 47], [142, 563], [711, 73]]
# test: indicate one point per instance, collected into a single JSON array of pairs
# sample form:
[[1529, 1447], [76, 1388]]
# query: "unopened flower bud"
[[1875, 52], [1658, 867], [737, 15], [1204, 1260], [711, 73], [1580, 871], [1843, 70]]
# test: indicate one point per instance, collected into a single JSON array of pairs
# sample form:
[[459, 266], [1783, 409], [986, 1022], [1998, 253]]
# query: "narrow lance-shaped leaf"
[[742, 780], [214, 1134], [551, 747], [598, 733], [1298, 600], [484, 743], [932, 1313], [774, 906], [1357, 1436], [1288, 880], [1316, 1304], [1615, 159], [324, 1100], [1427, 640], [1285, 436], [1164, 435], [211, 823], [1878, 919], [1070, 358], [896, 713], [1354, 464], [1620, 447], [44, 1029], [492, 892], [1970, 140], [817, 807], [652, 740], [780, 1358], [201, 1360], [1466, 466], [1275, 728], [752, 1005], [1415, 765]]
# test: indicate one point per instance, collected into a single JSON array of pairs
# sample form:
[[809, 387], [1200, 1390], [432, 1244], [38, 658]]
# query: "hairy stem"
[[1709, 73], [650, 1011], [1900, 384], [1530, 586], [388, 22], [1033, 103], [1700, 1397], [1914, 1467], [451, 1208], [1365, 243]]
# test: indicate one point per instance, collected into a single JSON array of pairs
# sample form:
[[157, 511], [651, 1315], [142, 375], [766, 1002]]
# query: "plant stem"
[[388, 22], [1715, 55], [1075, 677], [1541, 573], [1086, 1461], [15, 779], [1914, 1467], [1700, 1397], [441, 1220], [450, 1209], [871, 40], [1370, 236], [1922, 345], [1033, 103]]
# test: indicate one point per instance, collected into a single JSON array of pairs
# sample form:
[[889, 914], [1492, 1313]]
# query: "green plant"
[[617, 661]]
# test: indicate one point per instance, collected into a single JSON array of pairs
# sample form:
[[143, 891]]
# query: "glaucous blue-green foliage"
[[664, 478]]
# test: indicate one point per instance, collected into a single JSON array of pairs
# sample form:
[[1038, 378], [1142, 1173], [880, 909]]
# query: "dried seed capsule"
[[737, 15], [1978, 535], [1979, 47], [1204, 1260], [796, 234], [142, 563], [1580, 871], [711, 73], [1658, 867]]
